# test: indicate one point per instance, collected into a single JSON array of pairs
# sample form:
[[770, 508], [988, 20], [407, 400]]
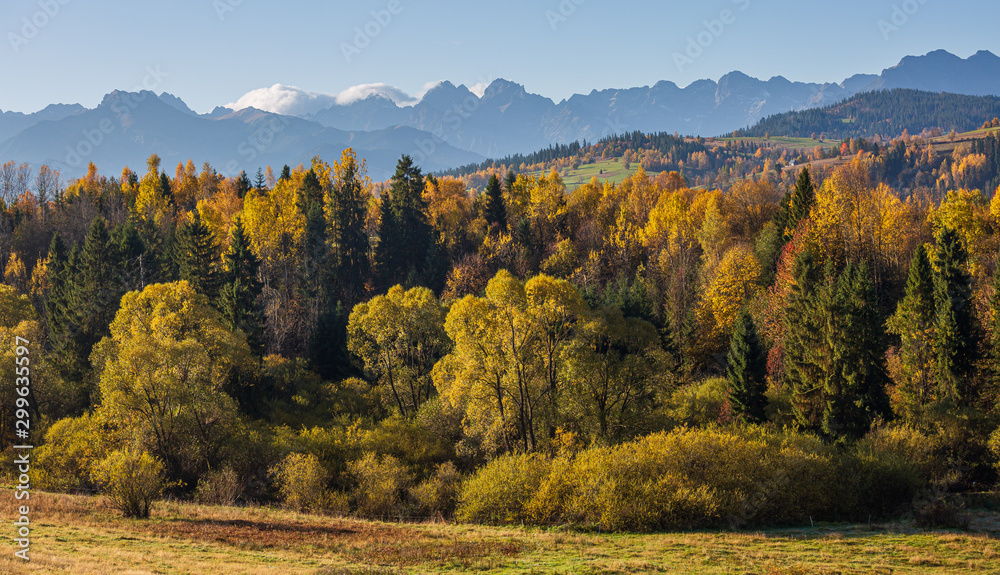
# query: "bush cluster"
[[692, 478]]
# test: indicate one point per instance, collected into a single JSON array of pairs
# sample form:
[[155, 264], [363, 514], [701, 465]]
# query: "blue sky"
[[211, 52]]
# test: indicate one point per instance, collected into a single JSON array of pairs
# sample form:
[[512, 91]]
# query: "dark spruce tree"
[[509, 180], [496, 208], [63, 319], [99, 282], [406, 238], [914, 322], [348, 208], [138, 264], [746, 371], [196, 253], [243, 185], [799, 203], [164, 188], [90, 291], [855, 379], [804, 324], [803, 197], [316, 267], [239, 298], [310, 193], [955, 334], [260, 182]]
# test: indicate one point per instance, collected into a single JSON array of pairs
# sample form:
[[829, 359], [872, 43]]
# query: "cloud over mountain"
[[294, 101]]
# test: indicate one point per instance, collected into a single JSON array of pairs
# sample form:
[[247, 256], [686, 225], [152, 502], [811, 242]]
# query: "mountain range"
[[448, 126]]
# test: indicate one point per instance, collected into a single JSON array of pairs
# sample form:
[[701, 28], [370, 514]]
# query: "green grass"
[[786, 142], [81, 535], [613, 171]]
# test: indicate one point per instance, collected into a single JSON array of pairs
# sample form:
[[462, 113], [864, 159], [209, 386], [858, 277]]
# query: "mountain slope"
[[13, 122], [127, 127], [886, 113], [507, 119]]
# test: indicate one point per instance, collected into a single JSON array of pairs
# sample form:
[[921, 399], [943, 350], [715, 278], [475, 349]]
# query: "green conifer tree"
[[956, 336], [349, 237], [804, 360], [196, 253], [914, 323], [746, 371], [239, 298], [854, 381], [405, 235], [496, 208]]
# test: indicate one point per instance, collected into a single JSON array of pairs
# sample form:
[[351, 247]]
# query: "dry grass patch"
[[82, 535]]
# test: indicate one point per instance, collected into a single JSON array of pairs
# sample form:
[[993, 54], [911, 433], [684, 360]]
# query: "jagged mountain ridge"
[[127, 127], [507, 119], [449, 126]]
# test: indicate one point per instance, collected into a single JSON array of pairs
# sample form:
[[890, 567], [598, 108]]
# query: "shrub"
[[438, 494], [333, 446], [302, 481], [220, 487], [69, 453], [381, 482], [621, 488], [548, 503], [132, 480], [688, 478], [883, 471], [699, 403], [500, 491], [994, 446], [941, 514], [338, 503]]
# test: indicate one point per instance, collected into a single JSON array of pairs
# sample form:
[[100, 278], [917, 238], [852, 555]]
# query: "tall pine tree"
[[197, 256], [955, 334], [801, 201], [239, 298], [86, 290], [406, 237], [348, 208], [804, 324], [914, 322], [496, 208], [746, 371], [855, 380]]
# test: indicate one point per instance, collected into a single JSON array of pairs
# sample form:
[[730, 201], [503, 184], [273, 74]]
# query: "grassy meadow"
[[82, 535], [611, 170]]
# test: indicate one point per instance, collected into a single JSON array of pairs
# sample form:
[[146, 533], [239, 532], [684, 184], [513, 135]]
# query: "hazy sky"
[[211, 52]]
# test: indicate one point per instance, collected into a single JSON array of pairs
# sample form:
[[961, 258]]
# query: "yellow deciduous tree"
[[163, 376], [505, 368], [736, 283], [399, 337]]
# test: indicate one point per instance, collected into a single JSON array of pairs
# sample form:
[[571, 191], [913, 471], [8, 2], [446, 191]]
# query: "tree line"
[[310, 332]]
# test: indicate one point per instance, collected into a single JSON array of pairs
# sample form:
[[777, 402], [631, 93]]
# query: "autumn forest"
[[739, 332]]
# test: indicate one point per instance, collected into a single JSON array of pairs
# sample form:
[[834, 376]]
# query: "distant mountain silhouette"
[[449, 126], [127, 127]]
